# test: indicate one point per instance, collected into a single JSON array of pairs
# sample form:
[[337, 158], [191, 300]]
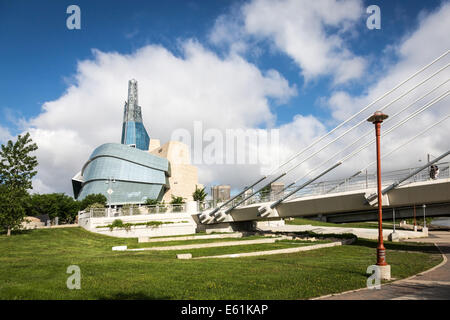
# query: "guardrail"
[[135, 210], [361, 182]]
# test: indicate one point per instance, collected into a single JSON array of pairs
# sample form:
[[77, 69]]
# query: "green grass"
[[33, 265]]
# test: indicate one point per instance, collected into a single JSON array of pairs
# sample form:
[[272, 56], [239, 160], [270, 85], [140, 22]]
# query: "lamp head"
[[378, 117]]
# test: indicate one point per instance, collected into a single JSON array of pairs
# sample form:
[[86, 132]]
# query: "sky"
[[295, 67]]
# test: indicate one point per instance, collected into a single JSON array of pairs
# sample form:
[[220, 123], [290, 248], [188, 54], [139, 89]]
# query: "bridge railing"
[[369, 181], [136, 210], [361, 182]]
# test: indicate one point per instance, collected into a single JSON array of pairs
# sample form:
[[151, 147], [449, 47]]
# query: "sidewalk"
[[365, 233], [434, 284]]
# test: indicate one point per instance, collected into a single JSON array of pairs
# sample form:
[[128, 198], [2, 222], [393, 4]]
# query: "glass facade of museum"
[[134, 133], [138, 175]]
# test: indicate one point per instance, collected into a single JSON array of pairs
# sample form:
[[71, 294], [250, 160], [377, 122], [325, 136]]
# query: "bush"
[[127, 226], [119, 224]]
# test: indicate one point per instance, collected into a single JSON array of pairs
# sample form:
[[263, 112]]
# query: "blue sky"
[[39, 53], [230, 65]]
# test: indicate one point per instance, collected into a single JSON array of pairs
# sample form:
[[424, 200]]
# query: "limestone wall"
[[184, 176]]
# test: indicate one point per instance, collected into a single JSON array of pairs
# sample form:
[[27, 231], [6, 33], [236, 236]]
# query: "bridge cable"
[[358, 150], [340, 136], [333, 130], [389, 153]]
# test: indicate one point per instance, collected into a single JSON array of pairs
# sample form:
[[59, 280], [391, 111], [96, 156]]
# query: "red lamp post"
[[377, 118]]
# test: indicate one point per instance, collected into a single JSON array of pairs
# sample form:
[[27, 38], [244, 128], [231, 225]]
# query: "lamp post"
[[110, 192], [424, 221], [377, 118], [393, 215]]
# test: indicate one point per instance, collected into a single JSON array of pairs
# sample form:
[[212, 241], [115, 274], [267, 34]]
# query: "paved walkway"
[[365, 233], [434, 284]]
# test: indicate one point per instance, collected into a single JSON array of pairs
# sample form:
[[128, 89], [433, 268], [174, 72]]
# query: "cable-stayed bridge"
[[309, 194], [349, 202]]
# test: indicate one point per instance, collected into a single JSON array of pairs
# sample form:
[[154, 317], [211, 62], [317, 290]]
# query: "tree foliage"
[[151, 202], [17, 168], [91, 199], [199, 194], [55, 205], [12, 209], [177, 200]]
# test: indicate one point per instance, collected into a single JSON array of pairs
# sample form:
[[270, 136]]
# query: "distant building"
[[139, 168], [276, 188], [220, 193]]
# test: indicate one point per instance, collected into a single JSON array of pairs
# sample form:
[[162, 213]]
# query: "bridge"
[[352, 198], [355, 197], [348, 201]]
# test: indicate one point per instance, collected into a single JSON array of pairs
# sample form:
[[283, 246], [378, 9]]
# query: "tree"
[[55, 205], [151, 202], [17, 168], [91, 199], [265, 192], [12, 210], [199, 194], [177, 201]]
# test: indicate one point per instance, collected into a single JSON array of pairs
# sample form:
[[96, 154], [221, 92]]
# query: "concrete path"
[[365, 233], [433, 284], [208, 236], [213, 244], [277, 251]]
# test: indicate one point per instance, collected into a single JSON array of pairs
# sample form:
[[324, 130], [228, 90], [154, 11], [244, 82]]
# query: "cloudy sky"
[[295, 67]]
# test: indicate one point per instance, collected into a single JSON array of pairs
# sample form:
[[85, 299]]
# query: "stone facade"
[[183, 176]]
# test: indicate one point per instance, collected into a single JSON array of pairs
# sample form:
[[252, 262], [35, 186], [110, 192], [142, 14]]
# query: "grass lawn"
[[33, 265]]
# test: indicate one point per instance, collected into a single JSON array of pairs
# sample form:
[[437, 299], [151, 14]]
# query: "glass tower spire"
[[133, 130]]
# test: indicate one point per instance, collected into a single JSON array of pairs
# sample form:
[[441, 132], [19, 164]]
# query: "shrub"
[[119, 224]]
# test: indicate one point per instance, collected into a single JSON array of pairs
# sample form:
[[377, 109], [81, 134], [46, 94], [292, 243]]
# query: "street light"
[[110, 191], [424, 221], [377, 118]]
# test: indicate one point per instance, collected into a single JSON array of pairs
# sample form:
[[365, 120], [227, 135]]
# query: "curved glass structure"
[[133, 175]]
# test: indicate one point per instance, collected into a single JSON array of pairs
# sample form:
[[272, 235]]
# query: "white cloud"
[[416, 50], [173, 92], [5, 135], [230, 92], [312, 33]]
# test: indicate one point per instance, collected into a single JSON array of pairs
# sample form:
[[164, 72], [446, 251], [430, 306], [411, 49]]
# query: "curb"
[[444, 261]]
